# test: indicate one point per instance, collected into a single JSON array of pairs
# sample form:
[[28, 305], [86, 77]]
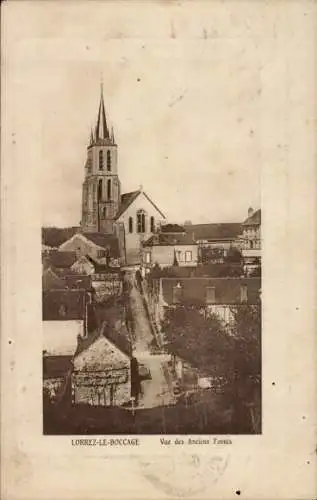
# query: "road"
[[156, 391]]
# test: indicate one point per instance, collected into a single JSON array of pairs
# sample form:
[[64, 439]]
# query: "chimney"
[[250, 212]]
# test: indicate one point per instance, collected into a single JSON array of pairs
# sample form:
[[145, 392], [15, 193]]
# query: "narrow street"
[[156, 391]]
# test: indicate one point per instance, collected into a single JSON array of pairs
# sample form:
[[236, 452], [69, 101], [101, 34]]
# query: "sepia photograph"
[[151, 244], [158, 247]]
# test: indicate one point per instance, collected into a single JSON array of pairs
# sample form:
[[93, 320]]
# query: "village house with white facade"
[[115, 290]]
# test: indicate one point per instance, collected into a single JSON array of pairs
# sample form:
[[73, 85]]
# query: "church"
[[132, 217]]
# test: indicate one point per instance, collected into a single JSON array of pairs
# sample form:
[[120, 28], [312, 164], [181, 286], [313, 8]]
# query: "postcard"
[[158, 250]]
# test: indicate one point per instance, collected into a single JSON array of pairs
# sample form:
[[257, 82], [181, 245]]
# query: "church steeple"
[[101, 131]]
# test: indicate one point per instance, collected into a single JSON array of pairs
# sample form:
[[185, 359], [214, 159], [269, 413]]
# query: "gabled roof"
[[60, 260], [227, 290], [161, 239], [56, 366], [214, 232], [128, 198], [63, 305], [106, 241], [254, 219], [118, 339]]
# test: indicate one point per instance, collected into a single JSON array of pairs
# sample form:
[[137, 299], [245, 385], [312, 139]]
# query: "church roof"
[[128, 198]]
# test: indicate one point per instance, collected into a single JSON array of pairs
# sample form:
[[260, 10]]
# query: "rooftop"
[[214, 232], [254, 219], [227, 290]]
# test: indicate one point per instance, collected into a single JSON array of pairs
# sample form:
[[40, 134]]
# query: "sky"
[[183, 93]]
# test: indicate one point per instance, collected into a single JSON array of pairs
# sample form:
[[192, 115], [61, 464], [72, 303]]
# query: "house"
[[166, 249], [102, 369], [66, 314], [103, 248], [213, 295], [221, 235], [251, 239], [132, 217], [105, 280]]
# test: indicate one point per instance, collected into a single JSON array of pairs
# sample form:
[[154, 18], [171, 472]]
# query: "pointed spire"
[[102, 131]]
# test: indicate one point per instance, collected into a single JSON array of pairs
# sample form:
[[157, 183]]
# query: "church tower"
[[101, 187]]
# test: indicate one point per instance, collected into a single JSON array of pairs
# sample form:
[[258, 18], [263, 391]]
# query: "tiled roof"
[[172, 228], [126, 200], [55, 236], [107, 241], [169, 239], [58, 259], [63, 305], [214, 232], [254, 219], [227, 290], [56, 366]]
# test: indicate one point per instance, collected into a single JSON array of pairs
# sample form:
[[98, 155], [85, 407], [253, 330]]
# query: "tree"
[[246, 388], [201, 341], [234, 256]]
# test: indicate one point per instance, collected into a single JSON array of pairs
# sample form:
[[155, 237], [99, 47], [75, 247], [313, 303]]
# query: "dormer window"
[[100, 160], [109, 160]]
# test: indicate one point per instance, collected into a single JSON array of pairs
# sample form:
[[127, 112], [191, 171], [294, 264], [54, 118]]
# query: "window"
[[177, 294], [100, 189], [130, 225], [108, 161], [141, 221], [152, 225], [147, 257], [180, 256], [188, 256], [100, 160], [244, 293], [101, 253], [210, 294], [109, 189], [105, 212]]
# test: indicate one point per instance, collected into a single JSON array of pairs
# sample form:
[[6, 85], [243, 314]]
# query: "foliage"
[[201, 341], [234, 256], [212, 255]]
